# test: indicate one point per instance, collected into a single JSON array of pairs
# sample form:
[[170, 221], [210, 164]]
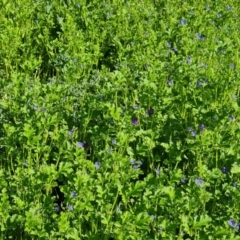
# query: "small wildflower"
[[152, 217], [136, 107], [80, 144], [136, 167], [168, 44], [70, 132], [132, 161], [201, 127], [229, 8], [150, 111], [231, 223], [237, 226], [219, 15], [70, 207], [73, 194], [189, 60], [183, 21], [199, 84], [184, 180], [109, 150], [157, 171], [231, 118], [224, 170], [97, 165], [170, 82], [207, 8], [134, 121], [35, 107], [175, 50], [199, 182], [57, 208], [25, 163], [190, 129], [193, 133], [114, 141]]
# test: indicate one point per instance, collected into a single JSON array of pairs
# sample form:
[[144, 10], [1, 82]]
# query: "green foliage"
[[119, 120]]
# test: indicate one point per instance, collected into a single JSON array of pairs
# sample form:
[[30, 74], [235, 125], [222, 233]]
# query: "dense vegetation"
[[119, 119]]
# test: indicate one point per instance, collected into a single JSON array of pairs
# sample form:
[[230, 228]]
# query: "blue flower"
[[152, 217], [97, 165], [114, 141], [231, 223], [136, 107], [190, 129], [150, 111], [80, 144], [134, 121], [168, 44], [132, 161], [157, 171], [70, 132], [193, 133], [199, 182], [57, 208], [189, 60], [183, 21], [73, 194], [229, 8], [70, 207], [170, 82], [201, 127], [184, 180], [219, 15], [35, 107], [224, 170], [199, 84], [231, 118]]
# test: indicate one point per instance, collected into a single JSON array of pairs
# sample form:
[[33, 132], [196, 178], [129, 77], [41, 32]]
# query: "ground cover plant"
[[119, 119]]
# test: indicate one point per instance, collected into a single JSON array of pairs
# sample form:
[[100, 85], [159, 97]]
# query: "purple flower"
[[150, 111], [157, 171], [229, 8], [152, 217], [199, 84], [175, 50], [136, 107], [168, 44], [136, 167], [114, 141], [57, 208], [132, 161], [70, 207], [170, 82], [237, 226], [134, 121], [207, 8], [200, 37], [189, 60], [231, 223], [183, 21], [190, 129], [201, 127], [199, 182], [224, 170], [184, 180], [97, 165], [80, 144], [193, 133], [70, 132], [73, 194]]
